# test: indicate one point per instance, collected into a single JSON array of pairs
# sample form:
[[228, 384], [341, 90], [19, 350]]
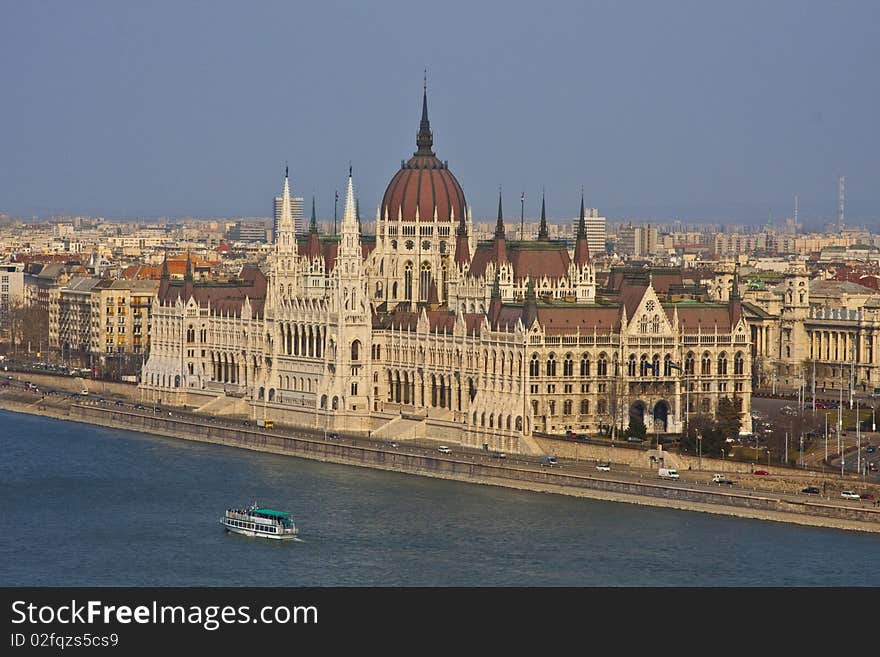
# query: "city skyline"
[[723, 114]]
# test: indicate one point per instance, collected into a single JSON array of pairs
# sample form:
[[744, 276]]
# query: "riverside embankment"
[[766, 505]]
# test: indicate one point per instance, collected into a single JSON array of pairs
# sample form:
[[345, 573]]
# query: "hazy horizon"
[[696, 111]]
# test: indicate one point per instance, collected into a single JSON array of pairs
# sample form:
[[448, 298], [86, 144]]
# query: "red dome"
[[424, 182]]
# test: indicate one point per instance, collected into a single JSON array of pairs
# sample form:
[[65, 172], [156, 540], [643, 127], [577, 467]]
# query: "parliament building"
[[422, 331]]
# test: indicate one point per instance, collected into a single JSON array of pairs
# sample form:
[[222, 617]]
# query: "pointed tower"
[[425, 138], [348, 255], [543, 233], [581, 272], [349, 324], [582, 246], [313, 246], [500, 245], [530, 305], [285, 240]]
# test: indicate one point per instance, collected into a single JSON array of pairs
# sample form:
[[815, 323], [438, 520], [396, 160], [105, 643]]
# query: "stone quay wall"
[[310, 445]]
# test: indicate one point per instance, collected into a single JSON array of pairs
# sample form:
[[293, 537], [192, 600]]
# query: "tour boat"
[[259, 521]]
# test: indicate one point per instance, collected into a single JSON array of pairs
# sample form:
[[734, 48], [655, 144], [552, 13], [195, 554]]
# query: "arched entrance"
[[661, 416], [637, 410]]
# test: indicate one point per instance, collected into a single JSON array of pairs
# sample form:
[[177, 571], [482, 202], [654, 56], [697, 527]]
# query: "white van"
[[667, 473]]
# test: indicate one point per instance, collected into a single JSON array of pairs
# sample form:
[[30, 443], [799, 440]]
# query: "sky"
[[720, 111]]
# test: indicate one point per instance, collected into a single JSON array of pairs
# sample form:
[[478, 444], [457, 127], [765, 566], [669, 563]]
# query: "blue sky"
[[697, 110]]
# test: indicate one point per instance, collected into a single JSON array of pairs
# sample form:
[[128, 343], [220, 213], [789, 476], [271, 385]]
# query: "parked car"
[[760, 472], [499, 455], [849, 495], [603, 466], [871, 449], [810, 490], [443, 449], [548, 460], [634, 439], [872, 467], [821, 405], [866, 496]]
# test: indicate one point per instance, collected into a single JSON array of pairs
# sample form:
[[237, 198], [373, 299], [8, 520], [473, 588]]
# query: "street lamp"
[[700, 450]]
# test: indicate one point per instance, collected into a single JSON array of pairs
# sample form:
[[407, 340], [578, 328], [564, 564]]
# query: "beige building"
[[121, 317], [70, 319], [821, 333]]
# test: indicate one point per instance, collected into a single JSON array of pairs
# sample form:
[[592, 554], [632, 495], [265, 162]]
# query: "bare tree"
[[22, 325]]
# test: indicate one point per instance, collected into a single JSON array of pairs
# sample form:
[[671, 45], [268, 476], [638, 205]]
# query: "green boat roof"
[[272, 512]]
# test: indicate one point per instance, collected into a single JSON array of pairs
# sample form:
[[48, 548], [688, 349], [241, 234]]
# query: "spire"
[[425, 139], [313, 245], [188, 276], [313, 224], [285, 230], [165, 274], [499, 225], [350, 227], [530, 304], [582, 224], [542, 231], [357, 213], [582, 246]]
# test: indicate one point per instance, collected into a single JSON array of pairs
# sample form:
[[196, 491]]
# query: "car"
[[871, 449], [721, 479], [443, 449], [603, 466], [821, 405], [849, 495], [332, 436], [499, 455], [866, 496], [810, 490], [872, 467], [634, 439], [391, 444], [760, 472], [548, 460]]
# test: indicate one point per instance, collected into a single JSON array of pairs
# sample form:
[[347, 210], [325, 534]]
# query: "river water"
[[87, 506]]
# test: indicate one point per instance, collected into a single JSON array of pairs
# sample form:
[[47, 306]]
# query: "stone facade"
[[805, 331]]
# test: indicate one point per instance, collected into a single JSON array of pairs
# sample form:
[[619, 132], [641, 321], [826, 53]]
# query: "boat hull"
[[250, 532]]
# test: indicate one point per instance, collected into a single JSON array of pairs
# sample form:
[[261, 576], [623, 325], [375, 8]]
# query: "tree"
[[703, 436], [23, 324], [729, 421], [636, 428]]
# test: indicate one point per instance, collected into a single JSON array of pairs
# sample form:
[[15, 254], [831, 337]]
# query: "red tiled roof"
[[223, 298], [551, 261], [558, 321]]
